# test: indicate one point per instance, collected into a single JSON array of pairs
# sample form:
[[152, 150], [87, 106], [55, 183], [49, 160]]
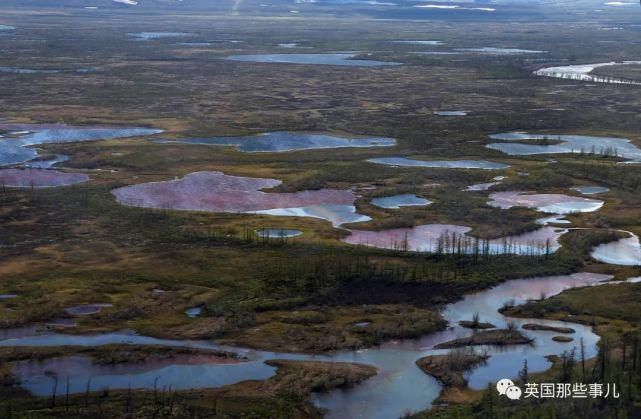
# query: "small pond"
[[398, 201], [278, 233]]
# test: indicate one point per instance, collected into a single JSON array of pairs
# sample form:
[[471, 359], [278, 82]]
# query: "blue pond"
[[512, 143], [591, 190], [397, 201], [18, 140], [278, 233], [291, 141]]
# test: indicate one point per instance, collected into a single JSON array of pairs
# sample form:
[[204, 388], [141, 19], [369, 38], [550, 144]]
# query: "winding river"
[[398, 388]]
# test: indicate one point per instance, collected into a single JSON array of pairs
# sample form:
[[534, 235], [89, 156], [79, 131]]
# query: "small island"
[[500, 337], [542, 327]]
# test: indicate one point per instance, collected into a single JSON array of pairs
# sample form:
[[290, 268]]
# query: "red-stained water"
[[39, 178], [216, 191]]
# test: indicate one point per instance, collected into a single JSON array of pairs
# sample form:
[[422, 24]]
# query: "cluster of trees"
[[616, 364], [623, 177], [452, 243]]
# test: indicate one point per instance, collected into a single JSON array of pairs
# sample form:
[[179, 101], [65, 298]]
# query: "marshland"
[[317, 209]]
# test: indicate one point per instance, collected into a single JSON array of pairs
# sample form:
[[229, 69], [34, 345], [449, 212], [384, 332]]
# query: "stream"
[[400, 387]]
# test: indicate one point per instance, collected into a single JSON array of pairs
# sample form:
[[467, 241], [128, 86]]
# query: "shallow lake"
[[451, 113], [312, 59], [16, 70], [621, 252], [563, 144], [500, 51], [39, 178], [86, 309], [193, 312], [218, 192], [398, 201], [477, 187], [445, 238], [336, 214], [15, 146], [291, 141], [148, 36], [46, 162], [554, 219], [549, 203], [418, 42], [591, 190], [583, 72]]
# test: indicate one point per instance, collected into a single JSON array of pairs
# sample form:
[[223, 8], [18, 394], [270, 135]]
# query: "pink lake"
[[448, 238], [218, 192], [39, 178]]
